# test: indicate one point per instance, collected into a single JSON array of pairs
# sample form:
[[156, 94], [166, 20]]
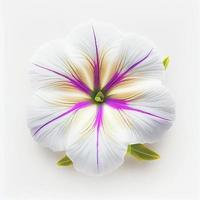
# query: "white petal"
[[96, 42], [93, 152], [136, 57], [62, 95], [49, 117], [135, 48], [152, 109], [54, 62], [86, 37]]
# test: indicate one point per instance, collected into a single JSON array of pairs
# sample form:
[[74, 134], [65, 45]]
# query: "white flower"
[[95, 92]]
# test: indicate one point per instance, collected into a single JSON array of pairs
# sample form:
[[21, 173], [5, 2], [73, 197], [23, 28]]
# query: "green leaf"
[[166, 62], [65, 161], [141, 152]]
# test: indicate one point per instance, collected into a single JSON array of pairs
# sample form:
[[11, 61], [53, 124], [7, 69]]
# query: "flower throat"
[[98, 97]]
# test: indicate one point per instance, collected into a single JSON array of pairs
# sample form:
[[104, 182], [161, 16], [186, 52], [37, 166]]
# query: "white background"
[[28, 171]]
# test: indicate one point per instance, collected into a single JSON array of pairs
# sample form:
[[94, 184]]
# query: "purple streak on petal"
[[112, 81], [123, 105], [98, 124], [96, 62], [77, 83], [117, 78], [76, 107], [116, 102], [137, 63]]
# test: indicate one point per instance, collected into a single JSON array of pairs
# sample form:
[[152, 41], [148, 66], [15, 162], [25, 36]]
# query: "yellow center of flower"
[[99, 97]]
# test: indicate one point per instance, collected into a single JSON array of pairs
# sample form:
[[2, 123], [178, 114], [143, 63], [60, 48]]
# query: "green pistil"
[[99, 97]]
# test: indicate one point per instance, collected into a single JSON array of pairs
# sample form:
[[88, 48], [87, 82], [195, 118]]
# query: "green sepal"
[[141, 152], [166, 62], [65, 161]]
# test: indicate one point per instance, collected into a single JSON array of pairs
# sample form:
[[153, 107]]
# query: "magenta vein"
[[75, 82], [98, 124], [96, 62], [117, 77], [123, 105], [76, 107]]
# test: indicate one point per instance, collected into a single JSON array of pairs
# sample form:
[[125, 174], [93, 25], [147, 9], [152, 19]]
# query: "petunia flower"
[[96, 92]]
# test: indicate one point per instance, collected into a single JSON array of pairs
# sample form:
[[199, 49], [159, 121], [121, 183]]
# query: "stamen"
[[99, 97]]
